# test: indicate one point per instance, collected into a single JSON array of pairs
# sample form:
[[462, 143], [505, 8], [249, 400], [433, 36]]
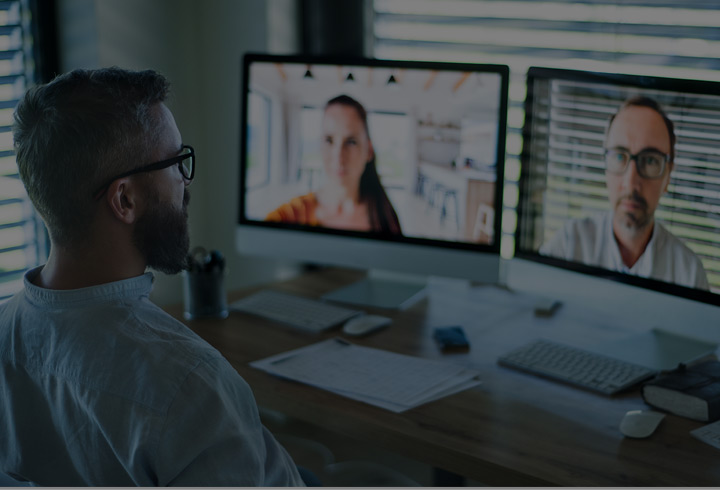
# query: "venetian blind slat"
[[644, 37], [18, 222]]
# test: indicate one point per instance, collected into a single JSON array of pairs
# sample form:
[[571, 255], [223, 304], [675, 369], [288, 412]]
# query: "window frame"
[[40, 57]]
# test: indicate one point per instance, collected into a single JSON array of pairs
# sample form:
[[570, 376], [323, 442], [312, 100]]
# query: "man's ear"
[[122, 197], [671, 165]]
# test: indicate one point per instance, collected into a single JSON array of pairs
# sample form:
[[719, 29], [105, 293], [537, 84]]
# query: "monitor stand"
[[381, 289]]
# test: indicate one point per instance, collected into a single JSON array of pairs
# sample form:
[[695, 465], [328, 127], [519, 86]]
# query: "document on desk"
[[388, 380]]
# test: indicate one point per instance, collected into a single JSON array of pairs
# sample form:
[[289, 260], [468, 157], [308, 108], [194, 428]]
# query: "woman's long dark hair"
[[383, 218]]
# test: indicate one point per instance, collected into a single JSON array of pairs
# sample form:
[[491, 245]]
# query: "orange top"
[[299, 210]]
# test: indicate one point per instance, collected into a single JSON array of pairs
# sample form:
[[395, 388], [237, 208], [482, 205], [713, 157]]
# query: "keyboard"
[[303, 313], [576, 366]]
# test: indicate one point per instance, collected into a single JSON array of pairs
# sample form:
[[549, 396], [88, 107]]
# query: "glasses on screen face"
[[185, 161], [650, 164]]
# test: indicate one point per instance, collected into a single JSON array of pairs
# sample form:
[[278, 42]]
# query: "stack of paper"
[[392, 381]]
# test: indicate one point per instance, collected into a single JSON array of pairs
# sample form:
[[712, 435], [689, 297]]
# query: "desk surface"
[[512, 430]]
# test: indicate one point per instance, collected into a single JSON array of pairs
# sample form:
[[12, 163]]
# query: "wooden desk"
[[513, 430]]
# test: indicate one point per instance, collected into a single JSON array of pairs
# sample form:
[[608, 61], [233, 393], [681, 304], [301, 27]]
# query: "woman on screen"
[[351, 197]]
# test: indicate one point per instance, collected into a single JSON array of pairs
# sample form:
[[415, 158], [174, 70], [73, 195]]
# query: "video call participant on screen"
[[100, 386], [351, 197], [639, 157]]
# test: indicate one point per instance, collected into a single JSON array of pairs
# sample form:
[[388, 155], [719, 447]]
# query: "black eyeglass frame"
[[631, 157], [151, 167]]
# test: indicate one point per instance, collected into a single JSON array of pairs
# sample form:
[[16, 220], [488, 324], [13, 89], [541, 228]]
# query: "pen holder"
[[204, 294]]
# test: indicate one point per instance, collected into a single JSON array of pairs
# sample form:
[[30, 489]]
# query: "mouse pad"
[[657, 349]]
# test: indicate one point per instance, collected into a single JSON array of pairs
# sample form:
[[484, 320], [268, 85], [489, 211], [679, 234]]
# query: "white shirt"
[[101, 387], [591, 241]]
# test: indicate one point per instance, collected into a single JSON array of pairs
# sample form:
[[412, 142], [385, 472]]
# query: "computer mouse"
[[364, 324], [640, 423]]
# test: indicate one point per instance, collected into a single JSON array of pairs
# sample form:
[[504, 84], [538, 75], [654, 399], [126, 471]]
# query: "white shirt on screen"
[[591, 241]]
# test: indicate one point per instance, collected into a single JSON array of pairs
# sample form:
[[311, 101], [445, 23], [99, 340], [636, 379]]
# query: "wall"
[[199, 47]]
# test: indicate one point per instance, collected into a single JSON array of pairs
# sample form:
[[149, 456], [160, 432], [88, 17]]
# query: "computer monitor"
[[373, 164], [621, 179]]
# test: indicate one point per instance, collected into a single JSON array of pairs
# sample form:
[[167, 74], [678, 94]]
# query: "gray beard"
[[162, 236], [631, 222]]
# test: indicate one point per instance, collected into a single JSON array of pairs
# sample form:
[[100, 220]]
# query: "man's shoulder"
[[131, 350], [666, 239], [686, 267], [11, 303], [592, 223], [153, 330], [152, 355], [586, 229], [578, 239]]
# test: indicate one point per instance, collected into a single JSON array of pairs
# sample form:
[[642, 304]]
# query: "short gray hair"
[[79, 130], [650, 103]]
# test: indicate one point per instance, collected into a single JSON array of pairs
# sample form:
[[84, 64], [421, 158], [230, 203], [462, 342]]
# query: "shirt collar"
[[133, 288], [644, 262], [612, 245]]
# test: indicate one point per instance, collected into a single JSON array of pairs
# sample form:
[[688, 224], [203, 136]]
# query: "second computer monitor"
[[621, 178]]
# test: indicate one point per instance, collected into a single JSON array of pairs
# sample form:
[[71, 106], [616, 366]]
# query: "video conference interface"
[[388, 150], [621, 195]]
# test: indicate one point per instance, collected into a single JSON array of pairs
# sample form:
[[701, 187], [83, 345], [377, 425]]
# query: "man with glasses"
[[99, 386], [639, 157]]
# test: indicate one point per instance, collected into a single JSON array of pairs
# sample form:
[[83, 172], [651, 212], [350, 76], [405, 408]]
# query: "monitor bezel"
[[620, 79], [501, 70]]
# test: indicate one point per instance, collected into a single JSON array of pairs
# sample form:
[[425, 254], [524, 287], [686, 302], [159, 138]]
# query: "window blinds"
[[646, 37], [22, 242]]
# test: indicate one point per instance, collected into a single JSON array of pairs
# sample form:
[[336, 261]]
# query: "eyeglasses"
[[185, 160], [650, 164]]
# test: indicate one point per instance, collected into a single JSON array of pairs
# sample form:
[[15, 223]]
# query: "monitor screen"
[[373, 163], [621, 179]]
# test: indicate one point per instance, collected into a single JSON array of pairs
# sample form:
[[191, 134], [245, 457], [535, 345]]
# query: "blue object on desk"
[[451, 337]]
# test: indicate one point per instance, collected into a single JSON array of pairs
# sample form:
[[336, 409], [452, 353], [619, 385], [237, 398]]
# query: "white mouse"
[[640, 423], [364, 324]]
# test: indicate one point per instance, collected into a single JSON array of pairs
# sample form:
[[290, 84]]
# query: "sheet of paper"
[[491, 305], [393, 381], [709, 434]]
